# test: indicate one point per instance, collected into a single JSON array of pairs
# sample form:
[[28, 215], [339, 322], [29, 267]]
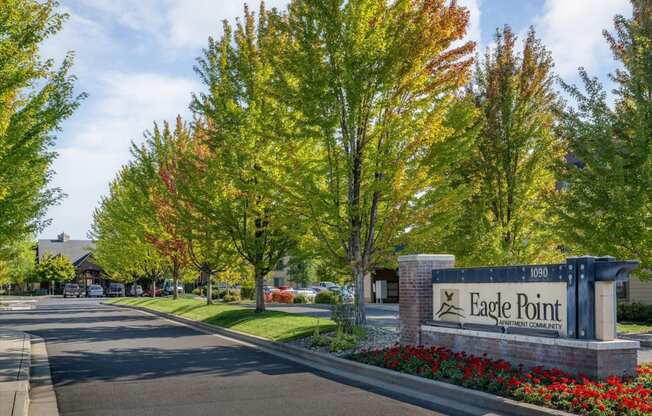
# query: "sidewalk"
[[15, 352], [17, 304]]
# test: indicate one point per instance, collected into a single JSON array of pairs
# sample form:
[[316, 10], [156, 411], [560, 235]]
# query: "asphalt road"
[[109, 361]]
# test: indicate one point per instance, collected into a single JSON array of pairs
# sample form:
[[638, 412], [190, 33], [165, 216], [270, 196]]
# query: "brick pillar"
[[415, 292]]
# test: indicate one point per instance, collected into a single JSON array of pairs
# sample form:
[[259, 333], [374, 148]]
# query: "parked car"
[[72, 290], [307, 292], [95, 291], [335, 288], [168, 287], [326, 284], [157, 293], [269, 289], [136, 290], [116, 289], [285, 289]]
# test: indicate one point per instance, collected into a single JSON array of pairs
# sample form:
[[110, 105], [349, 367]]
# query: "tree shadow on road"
[[133, 364]]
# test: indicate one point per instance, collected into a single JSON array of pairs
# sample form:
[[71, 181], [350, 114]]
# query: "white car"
[[95, 291], [307, 292], [326, 285], [136, 290]]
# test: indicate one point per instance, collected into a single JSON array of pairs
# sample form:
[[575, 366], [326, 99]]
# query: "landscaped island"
[[273, 325]]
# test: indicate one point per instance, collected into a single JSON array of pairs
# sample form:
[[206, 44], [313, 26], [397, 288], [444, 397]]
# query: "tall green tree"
[[210, 250], [157, 179], [119, 228], [35, 97], [241, 121], [606, 205], [507, 218], [374, 84]]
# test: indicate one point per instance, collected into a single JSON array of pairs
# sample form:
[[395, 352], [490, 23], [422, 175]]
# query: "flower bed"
[[279, 297], [547, 387]]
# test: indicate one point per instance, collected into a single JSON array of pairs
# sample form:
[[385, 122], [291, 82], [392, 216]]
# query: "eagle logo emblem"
[[450, 305]]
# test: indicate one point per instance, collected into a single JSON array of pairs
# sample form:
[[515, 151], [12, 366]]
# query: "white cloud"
[[572, 30], [473, 32], [83, 175], [192, 21], [85, 37], [177, 23], [97, 143]]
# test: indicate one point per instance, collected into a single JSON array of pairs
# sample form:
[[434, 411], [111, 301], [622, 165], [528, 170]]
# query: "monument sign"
[[552, 315]]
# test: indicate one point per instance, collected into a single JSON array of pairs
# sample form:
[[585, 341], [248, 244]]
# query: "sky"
[[134, 59]]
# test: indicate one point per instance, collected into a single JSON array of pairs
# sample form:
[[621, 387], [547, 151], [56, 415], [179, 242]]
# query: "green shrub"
[[342, 342], [317, 340], [217, 293], [232, 295], [197, 291], [326, 297], [300, 299], [359, 332], [247, 292], [634, 313]]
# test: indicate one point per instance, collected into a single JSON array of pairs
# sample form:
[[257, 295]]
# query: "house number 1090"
[[539, 272]]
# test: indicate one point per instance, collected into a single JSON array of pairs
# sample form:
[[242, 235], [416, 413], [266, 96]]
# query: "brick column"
[[415, 292]]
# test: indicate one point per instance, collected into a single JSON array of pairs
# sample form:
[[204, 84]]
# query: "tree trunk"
[[209, 286], [153, 288], [260, 294], [360, 312], [175, 282]]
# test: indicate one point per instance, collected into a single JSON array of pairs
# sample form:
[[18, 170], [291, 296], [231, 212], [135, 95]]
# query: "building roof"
[[85, 263], [75, 250]]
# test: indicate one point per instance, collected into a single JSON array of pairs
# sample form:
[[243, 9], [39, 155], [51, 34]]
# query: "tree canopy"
[[606, 202], [35, 97], [54, 268], [374, 84], [511, 169]]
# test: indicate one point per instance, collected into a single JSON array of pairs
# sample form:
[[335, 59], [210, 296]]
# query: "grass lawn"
[[274, 325], [635, 328]]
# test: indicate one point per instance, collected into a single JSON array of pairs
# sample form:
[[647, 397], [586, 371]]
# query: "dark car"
[[71, 290], [116, 289]]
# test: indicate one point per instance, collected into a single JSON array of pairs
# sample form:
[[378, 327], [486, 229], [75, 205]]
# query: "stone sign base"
[[595, 359]]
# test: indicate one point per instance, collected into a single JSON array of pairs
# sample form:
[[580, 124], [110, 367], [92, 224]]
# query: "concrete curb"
[[645, 342], [43, 401], [444, 396]]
